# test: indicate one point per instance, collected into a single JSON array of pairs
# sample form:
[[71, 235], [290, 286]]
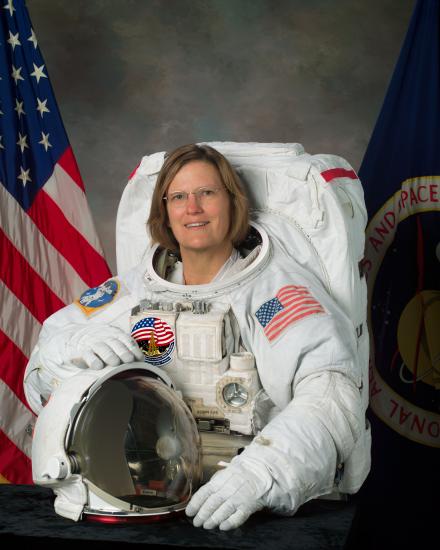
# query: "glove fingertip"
[[92, 361], [197, 522], [190, 512], [113, 361], [96, 365], [126, 357]]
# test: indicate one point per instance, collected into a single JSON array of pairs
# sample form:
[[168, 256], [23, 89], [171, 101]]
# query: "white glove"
[[90, 346], [231, 495]]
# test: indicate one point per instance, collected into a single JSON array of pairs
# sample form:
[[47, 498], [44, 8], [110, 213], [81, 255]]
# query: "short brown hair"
[[158, 220]]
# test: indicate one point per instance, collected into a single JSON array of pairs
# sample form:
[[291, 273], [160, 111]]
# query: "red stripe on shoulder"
[[68, 163], [134, 171], [52, 223], [334, 173]]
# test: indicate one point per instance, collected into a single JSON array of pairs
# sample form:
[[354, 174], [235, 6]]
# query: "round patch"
[[403, 270], [99, 295], [156, 340]]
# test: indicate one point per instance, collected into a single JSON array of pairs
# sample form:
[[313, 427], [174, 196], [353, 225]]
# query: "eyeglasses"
[[204, 195]]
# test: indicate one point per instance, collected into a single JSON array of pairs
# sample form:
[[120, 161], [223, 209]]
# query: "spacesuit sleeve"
[[49, 363], [312, 374], [45, 371]]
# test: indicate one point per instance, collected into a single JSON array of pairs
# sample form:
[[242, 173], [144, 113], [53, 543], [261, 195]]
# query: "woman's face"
[[199, 222]]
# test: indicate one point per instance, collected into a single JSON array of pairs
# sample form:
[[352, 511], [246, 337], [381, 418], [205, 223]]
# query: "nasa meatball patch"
[[95, 299]]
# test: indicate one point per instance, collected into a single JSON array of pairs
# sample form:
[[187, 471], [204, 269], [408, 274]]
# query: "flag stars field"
[[9, 6], [33, 39], [38, 72], [45, 141], [42, 108], [19, 108], [24, 176], [16, 74], [13, 40], [22, 142]]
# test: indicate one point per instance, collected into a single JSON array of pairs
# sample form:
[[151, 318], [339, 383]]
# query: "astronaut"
[[249, 333]]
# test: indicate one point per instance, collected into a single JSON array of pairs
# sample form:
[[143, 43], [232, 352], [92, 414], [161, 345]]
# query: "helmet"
[[117, 445]]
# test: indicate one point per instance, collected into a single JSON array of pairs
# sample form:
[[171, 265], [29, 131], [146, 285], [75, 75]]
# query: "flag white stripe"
[[300, 290], [298, 301], [272, 330], [38, 251], [22, 328], [294, 307], [16, 420], [71, 199], [292, 311], [139, 333], [144, 335], [292, 290]]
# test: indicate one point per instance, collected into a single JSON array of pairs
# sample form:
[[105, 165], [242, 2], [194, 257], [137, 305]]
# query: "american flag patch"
[[291, 303], [143, 329]]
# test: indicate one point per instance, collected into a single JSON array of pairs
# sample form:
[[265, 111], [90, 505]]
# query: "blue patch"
[[99, 296]]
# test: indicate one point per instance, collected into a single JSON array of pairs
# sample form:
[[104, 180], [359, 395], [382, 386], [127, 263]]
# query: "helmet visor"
[[135, 440]]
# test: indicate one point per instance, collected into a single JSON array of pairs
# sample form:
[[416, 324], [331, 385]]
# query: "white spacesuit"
[[302, 409]]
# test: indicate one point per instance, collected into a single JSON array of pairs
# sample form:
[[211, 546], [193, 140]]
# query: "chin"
[[201, 246]]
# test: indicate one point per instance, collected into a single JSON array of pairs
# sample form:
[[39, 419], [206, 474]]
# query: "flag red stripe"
[[143, 334], [282, 315], [16, 466], [68, 163], [334, 173], [144, 331], [272, 333], [25, 283], [162, 332], [291, 288], [13, 365], [288, 297], [164, 341], [50, 220], [297, 302]]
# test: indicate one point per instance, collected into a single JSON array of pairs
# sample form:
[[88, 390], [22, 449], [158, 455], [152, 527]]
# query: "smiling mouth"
[[196, 224]]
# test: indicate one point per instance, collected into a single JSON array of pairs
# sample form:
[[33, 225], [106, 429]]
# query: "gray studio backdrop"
[[133, 77]]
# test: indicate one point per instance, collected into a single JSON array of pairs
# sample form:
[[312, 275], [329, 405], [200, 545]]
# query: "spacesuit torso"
[[193, 332]]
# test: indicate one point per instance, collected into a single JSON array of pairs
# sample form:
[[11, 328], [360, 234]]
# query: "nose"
[[193, 204]]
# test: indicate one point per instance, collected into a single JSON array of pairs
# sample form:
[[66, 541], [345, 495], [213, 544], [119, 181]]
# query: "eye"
[[207, 192], [178, 197]]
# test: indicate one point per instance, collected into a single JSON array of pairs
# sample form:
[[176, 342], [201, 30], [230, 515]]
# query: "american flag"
[[163, 335], [290, 304], [49, 250]]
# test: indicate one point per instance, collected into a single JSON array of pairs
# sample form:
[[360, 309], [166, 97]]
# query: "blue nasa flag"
[[401, 178]]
